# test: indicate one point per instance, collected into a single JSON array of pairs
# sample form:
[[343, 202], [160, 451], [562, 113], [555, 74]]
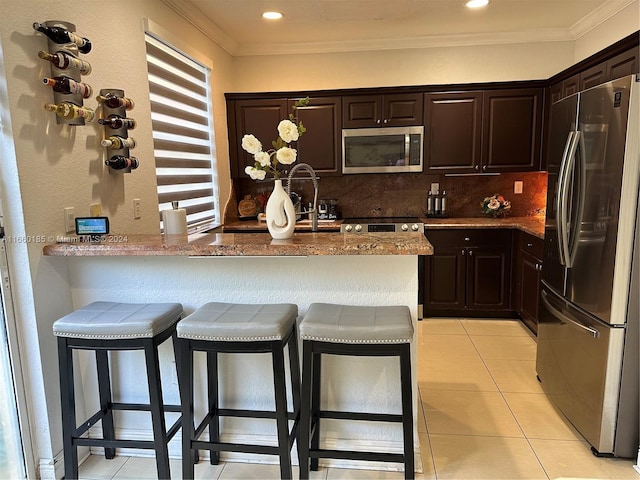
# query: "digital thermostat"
[[92, 225]]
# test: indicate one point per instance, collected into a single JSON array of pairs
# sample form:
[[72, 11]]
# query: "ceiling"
[[318, 26]]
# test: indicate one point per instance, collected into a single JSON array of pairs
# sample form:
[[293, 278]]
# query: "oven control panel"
[[381, 226]]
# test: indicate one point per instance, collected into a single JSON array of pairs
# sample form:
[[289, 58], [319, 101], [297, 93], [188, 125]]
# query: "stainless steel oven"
[[382, 225]]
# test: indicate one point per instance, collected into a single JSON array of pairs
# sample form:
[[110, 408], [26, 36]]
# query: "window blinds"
[[182, 134]]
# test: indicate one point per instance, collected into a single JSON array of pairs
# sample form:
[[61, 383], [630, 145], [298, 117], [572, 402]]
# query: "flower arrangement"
[[495, 205], [289, 130]]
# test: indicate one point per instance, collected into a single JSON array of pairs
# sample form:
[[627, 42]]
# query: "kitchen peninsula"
[[371, 269]]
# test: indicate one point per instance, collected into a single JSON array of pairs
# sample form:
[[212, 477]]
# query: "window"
[[182, 133]]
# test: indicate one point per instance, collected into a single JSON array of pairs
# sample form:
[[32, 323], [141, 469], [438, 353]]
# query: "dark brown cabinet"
[[528, 273], [453, 132], [483, 131], [619, 66], [259, 118], [388, 110], [468, 274], [319, 146]]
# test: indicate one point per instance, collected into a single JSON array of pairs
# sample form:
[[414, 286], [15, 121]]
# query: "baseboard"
[[329, 443]]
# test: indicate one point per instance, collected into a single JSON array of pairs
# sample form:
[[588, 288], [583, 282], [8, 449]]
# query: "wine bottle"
[[69, 111], [113, 101], [116, 142], [116, 121], [62, 35], [64, 61], [120, 162], [64, 84]]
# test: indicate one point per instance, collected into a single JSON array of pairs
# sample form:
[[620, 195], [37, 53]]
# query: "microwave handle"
[[407, 149]]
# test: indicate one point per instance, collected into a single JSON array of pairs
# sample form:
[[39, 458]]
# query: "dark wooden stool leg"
[[212, 386], [68, 404], [282, 418], [305, 409], [185, 365], [157, 408], [315, 407], [407, 410], [294, 365], [104, 387]]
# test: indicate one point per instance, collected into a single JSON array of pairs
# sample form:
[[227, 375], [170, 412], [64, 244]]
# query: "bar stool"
[[235, 328], [104, 326], [359, 331]]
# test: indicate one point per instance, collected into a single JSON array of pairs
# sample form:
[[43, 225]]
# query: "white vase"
[[281, 216]]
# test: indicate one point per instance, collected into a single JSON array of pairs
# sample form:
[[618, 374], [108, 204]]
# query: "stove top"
[[382, 225]]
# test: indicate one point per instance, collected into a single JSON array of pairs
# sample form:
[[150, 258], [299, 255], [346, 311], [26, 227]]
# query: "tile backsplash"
[[399, 195]]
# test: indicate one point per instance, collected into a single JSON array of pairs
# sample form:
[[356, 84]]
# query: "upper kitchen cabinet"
[[623, 64], [483, 131], [257, 117], [388, 110], [453, 132], [511, 130], [320, 145]]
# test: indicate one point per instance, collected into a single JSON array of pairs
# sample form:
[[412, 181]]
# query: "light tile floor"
[[482, 415]]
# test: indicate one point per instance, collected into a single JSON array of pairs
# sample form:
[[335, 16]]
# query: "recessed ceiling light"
[[272, 15], [477, 3]]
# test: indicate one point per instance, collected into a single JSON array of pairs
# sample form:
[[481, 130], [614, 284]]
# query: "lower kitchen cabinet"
[[528, 272], [469, 273]]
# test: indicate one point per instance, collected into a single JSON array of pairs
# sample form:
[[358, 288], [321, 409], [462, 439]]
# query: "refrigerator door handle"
[[565, 318], [577, 219], [559, 198], [563, 214]]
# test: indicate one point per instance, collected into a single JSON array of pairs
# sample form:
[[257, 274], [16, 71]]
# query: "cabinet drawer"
[[532, 245], [469, 237]]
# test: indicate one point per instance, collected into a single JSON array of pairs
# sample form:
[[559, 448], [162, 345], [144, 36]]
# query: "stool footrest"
[[235, 447], [355, 455], [372, 417], [143, 407]]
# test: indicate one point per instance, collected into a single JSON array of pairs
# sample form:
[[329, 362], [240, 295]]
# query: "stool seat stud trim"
[[357, 324], [113, 321], [229, 322]]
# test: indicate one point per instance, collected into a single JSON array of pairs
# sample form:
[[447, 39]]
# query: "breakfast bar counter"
[[250, 268]]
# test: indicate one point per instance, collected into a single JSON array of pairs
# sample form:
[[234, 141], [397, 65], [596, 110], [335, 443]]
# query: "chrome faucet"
[[313, 213]]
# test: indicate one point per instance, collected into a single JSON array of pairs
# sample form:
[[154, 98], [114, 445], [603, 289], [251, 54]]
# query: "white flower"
[[286, 155], [263, 158], [288, 131], [494, 204], [507, 204], [251, 144], [255, 173]]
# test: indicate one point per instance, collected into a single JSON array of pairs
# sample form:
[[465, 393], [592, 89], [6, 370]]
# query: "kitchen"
[[45, 157]]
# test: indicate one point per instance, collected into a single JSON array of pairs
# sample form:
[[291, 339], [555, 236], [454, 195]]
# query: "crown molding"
[[199, 20], [431, 41], [598, 16]]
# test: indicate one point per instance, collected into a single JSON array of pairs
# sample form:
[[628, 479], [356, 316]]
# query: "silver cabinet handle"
[[477, 167], [466, 239], [529, 245], [464, 251], [470, 252]]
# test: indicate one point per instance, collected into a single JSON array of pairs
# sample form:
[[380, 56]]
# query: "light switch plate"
[[95, 210], [435, 188], [69, 219], [137, 215], [517, 186]]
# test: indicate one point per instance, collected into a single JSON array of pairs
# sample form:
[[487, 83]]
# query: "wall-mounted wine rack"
[[74, 71], [117, 124]]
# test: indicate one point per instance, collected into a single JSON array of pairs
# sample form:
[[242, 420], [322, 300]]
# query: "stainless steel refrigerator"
[[588, 333]]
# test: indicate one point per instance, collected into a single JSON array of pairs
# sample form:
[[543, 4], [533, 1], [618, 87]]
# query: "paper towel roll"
[[175, 221]]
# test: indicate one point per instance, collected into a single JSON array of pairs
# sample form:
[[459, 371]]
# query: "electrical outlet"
[[69, 219], [435, 188], [95, 210], [517, 187], [137, 215]]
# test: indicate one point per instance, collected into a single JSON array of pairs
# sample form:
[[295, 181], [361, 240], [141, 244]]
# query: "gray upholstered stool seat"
[[237, 328], [327, 322], [112, 320], [230, 322], [112, 326], [356, 331]]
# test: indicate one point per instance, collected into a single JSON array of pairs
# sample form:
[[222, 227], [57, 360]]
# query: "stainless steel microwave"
[[382, 150]]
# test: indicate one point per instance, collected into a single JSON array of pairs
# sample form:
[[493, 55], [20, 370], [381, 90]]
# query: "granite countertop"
[[245, 244], [530, 225]]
